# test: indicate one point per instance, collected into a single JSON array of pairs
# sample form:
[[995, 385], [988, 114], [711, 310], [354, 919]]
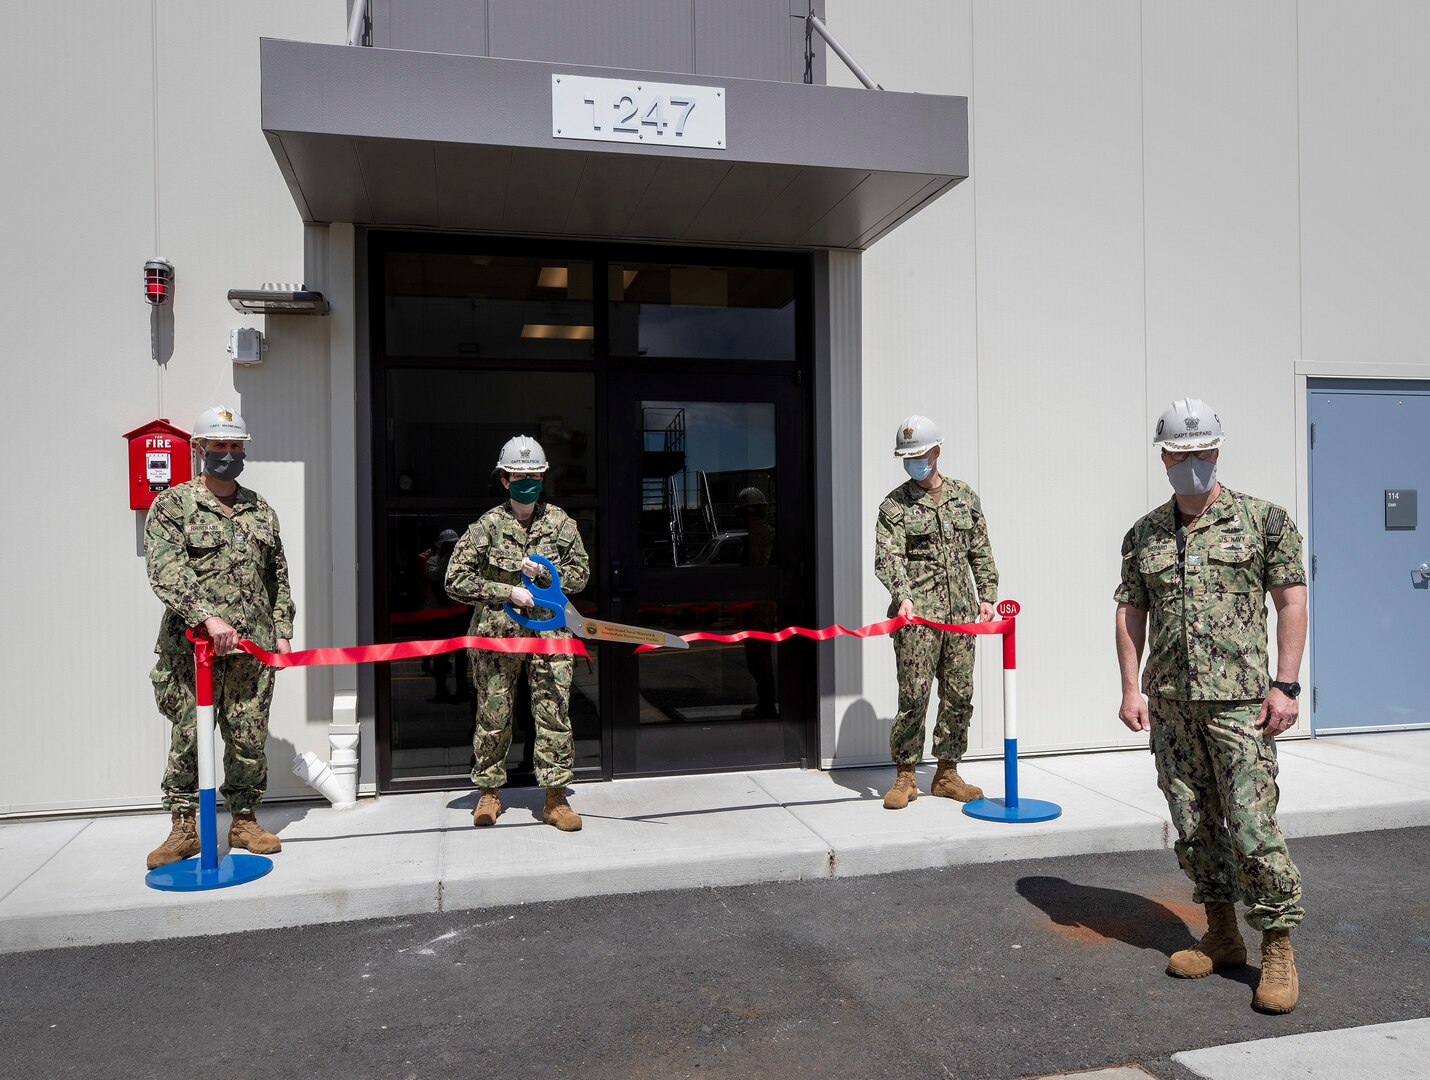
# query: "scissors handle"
[[550, 597]]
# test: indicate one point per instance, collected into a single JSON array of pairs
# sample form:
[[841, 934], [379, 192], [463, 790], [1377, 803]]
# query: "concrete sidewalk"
[[80, 881]]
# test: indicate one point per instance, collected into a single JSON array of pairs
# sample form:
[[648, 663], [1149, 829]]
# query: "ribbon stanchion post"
[[207, 870], [1011, 808]]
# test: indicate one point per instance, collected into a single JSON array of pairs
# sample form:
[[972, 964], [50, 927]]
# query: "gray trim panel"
[[387, 137]]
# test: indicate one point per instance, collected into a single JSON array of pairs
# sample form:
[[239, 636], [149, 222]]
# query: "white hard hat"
[[522, 454], [1189, 424], [917, 435], [220, 423], [751, 496]]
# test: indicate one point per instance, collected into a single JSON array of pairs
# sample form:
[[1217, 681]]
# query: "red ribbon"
[[401, 650], [878, 629], [570, 646]]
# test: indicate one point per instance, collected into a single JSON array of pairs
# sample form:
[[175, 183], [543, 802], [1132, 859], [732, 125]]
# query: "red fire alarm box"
[[159, 458]]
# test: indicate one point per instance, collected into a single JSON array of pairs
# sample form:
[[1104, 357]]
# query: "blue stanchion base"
[[998, 810], [189, 876]]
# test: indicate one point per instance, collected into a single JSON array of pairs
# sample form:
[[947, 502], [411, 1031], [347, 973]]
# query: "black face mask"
[[223, 464]]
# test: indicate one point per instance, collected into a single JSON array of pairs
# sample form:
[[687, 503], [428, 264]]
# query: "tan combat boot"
[[558, 811], [182, 842], [1279, 987], [246, 833], [947, 784], [1221, 946], [488, 807], [904, 791]]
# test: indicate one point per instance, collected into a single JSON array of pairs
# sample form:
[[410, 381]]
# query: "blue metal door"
[[1370, 605]]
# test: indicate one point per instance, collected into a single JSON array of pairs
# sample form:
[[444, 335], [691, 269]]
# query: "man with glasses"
[[1196, 571], [931, 552]]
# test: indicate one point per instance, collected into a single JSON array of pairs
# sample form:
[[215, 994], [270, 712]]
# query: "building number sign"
[[647, 113]]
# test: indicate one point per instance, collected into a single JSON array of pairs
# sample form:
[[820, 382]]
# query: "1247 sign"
[[652, 114]]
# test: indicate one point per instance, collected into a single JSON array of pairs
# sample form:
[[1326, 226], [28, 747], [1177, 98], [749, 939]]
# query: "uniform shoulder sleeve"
[[1131, 589], [892, 509], [1284, 564]]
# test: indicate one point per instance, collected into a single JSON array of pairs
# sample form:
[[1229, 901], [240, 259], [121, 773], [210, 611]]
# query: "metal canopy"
[[387, 137]]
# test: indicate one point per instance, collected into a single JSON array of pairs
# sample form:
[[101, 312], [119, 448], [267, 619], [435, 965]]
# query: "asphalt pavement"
[[994, 970]]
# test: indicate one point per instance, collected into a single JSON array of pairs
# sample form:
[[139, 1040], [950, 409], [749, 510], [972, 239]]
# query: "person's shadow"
[[1092, 913]]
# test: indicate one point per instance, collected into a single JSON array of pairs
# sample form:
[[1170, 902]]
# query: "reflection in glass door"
[[665, 388], [718, 497]]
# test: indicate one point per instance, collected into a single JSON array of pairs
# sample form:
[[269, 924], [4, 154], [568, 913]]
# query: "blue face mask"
[[918, 468]]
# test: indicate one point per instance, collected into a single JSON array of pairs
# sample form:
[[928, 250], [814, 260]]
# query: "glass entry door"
[[712, 538], [665, 386]]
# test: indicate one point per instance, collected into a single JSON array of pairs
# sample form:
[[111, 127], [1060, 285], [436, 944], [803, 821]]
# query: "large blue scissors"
[[565, 614]]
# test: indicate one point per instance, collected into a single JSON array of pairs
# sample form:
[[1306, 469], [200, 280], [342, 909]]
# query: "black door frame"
[[605, 368]]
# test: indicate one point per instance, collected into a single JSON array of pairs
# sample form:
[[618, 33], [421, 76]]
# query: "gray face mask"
[[1192, 477], [223, 465]]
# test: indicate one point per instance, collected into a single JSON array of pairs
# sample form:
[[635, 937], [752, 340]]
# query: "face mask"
[[918, 468], [525, 490], [223, 465], [1192, 477]]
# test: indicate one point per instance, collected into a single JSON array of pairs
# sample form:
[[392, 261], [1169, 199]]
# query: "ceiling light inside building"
[[556, 332], [553, 277]]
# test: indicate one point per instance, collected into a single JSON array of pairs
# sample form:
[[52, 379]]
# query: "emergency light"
[[158, 281]]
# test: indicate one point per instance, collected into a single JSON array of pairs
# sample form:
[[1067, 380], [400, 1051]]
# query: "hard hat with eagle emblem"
[[1189, 424], [221, 424], [917, 435], [522, 454]]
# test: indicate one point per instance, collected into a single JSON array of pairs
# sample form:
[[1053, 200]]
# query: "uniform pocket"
[[1158, 567], [202, 539], [1232, 567], [260, 532], [920, 539]]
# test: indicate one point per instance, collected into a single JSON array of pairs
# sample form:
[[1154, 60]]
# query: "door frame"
[[1354, 383], [1305, 372], [371, 346]]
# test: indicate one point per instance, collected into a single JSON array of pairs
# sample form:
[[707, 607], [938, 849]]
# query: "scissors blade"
[[601, 630]]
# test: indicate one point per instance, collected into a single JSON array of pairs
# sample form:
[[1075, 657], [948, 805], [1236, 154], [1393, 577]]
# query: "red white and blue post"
[[207, 870], [1010, 808]]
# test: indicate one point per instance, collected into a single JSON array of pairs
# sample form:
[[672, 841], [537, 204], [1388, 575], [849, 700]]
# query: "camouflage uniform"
[[925, 547], [202, 562], [1205, 680], [485, 564]]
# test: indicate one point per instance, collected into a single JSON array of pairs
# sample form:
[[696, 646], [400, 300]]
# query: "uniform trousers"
[[923, 656], [243, 692], [495, 675], [1218, 772]]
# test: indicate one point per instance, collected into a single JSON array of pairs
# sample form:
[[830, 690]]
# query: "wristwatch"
[[1290, 689]]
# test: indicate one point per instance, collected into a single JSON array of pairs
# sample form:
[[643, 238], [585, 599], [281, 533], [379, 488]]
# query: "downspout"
[[335, 779]]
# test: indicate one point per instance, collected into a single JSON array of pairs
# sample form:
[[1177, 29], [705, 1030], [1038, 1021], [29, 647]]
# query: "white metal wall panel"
[[1057, 92], [1223, 276], [1365, 221], [230, 223], [77, 176], [919, 328], [149, 146]]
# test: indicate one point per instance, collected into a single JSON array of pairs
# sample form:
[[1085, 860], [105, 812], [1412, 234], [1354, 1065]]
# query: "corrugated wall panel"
[[1365, 111], [236, 227], [78, 178], [1056, 100], [1223, 274], [80, 717], [919, 330]]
